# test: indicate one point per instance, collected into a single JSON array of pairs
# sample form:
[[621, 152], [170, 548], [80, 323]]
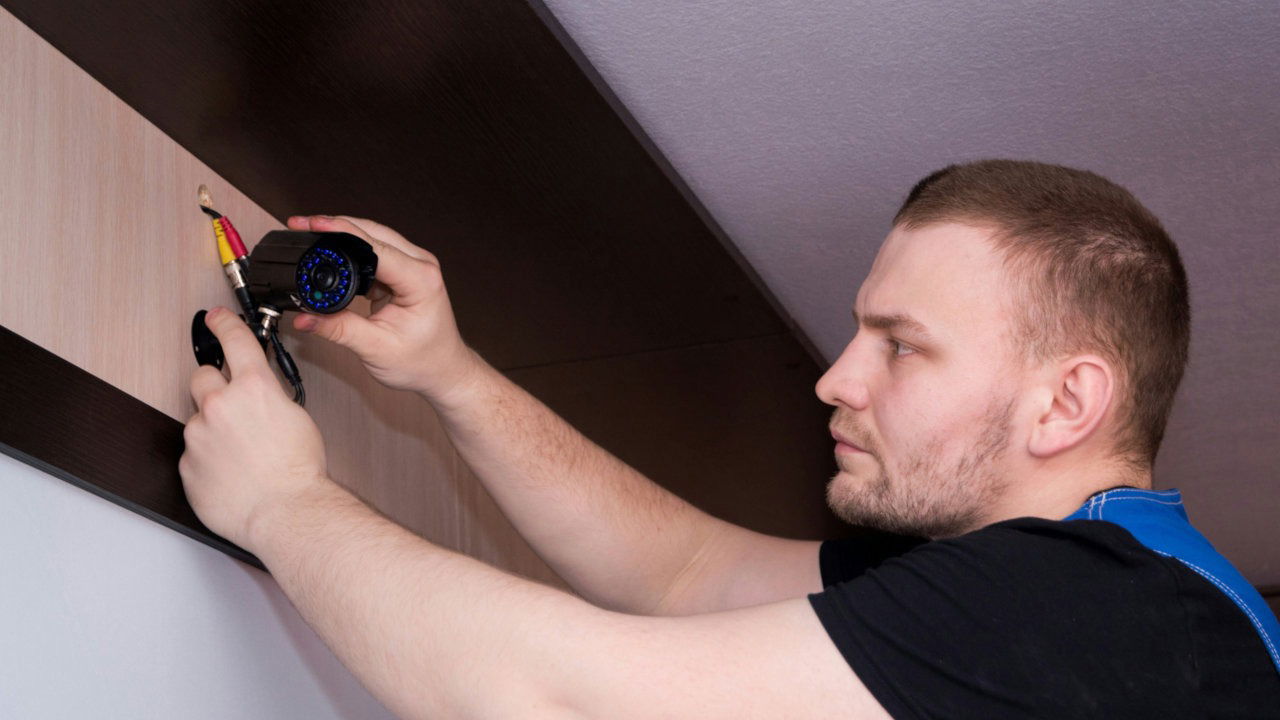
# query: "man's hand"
[[411, 340], [248, 445]]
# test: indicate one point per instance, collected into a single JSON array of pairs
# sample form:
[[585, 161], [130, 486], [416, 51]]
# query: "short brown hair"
[[1091, 270]]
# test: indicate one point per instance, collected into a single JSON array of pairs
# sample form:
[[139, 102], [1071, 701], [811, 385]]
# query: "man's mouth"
[[843, 444]]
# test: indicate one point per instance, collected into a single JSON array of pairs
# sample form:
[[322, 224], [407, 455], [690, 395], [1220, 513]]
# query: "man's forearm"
[[430, 632], [616, 537]]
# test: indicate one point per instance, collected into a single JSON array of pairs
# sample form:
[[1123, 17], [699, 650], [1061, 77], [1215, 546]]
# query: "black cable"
[[211, 212], [246, 302], [285, 361], [299, 395]]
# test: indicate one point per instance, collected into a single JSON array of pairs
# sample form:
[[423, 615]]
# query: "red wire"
[[233, 237]]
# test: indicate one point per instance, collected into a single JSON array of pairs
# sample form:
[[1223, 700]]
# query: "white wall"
[[106, 614]]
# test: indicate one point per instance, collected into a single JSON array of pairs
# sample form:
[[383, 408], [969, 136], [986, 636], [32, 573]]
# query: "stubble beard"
[[923, 498]]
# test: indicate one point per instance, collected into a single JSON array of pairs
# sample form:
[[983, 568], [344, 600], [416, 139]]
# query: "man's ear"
[[1077, 394]]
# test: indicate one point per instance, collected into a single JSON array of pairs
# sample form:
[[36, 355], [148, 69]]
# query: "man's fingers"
[[398, 271], [368, 229], [205, 380], [390, 237], [344, 328], [400, 277], [239, 345], [378, 296]]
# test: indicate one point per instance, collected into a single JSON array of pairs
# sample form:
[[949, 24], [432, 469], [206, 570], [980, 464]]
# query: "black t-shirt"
[[1037, 618]]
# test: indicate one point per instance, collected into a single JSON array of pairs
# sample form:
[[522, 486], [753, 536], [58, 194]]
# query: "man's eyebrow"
[[893, 322]]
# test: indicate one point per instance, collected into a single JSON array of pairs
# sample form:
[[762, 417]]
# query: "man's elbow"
[[521, 702]]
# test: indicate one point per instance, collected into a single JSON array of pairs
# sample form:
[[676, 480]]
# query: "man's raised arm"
[[619, 539]]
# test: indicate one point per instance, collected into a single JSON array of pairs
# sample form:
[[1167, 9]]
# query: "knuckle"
[[337, 332], [255, 382], [214, 407], [431, 276], [204, 375]]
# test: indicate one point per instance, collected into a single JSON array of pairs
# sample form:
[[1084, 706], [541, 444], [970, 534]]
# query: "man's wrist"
[[463, 387], [273, 513]]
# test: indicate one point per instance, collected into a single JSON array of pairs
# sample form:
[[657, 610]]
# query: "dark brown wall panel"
[[74, 426], [734, 428]]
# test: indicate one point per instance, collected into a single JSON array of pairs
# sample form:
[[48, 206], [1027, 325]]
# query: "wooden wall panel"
[[106, 256], [469, 127]]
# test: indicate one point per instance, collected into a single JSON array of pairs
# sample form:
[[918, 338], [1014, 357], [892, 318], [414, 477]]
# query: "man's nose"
[[845, 382]]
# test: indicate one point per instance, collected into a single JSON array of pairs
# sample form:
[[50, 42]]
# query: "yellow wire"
[[224, 247]]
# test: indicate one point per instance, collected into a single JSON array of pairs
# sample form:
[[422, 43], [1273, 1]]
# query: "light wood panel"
[[106, 257]]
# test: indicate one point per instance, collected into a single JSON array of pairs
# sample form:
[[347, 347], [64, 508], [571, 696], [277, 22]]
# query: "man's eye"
[[895, 346]]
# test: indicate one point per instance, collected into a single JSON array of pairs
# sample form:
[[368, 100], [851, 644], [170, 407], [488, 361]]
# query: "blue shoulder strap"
[[1158, 521]]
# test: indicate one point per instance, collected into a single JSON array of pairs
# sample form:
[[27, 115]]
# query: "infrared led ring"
[[324, 279]]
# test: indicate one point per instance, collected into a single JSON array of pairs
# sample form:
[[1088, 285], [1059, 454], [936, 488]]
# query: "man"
[[1021, 335]]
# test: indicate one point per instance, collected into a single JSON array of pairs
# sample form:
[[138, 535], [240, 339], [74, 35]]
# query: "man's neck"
[[1055, 495]]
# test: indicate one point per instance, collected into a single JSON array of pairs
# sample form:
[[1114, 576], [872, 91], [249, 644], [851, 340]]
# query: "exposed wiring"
[[225, 255], [235, 263], [233, 239]]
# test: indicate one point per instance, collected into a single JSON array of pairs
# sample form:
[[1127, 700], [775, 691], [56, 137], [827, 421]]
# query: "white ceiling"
[[800, 125]]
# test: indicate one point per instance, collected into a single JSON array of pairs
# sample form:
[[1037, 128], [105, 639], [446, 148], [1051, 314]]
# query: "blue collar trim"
[[1157, 519]]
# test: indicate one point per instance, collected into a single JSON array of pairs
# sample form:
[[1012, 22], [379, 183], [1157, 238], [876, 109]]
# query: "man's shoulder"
[[1101, 545], [1035, 554], [1040, 547], [1035, 608]]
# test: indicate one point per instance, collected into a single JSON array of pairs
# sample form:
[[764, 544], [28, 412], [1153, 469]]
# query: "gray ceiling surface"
[[801, 125]]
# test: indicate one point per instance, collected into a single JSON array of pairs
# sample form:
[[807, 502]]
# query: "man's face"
[[933, 412]]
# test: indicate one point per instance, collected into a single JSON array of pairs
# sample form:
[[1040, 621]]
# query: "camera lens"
[[324, 277]]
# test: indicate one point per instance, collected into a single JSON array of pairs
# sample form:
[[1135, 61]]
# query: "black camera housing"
[[319, 272]]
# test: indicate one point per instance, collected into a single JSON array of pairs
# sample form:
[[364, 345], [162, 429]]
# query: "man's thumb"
[[344, 328]]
